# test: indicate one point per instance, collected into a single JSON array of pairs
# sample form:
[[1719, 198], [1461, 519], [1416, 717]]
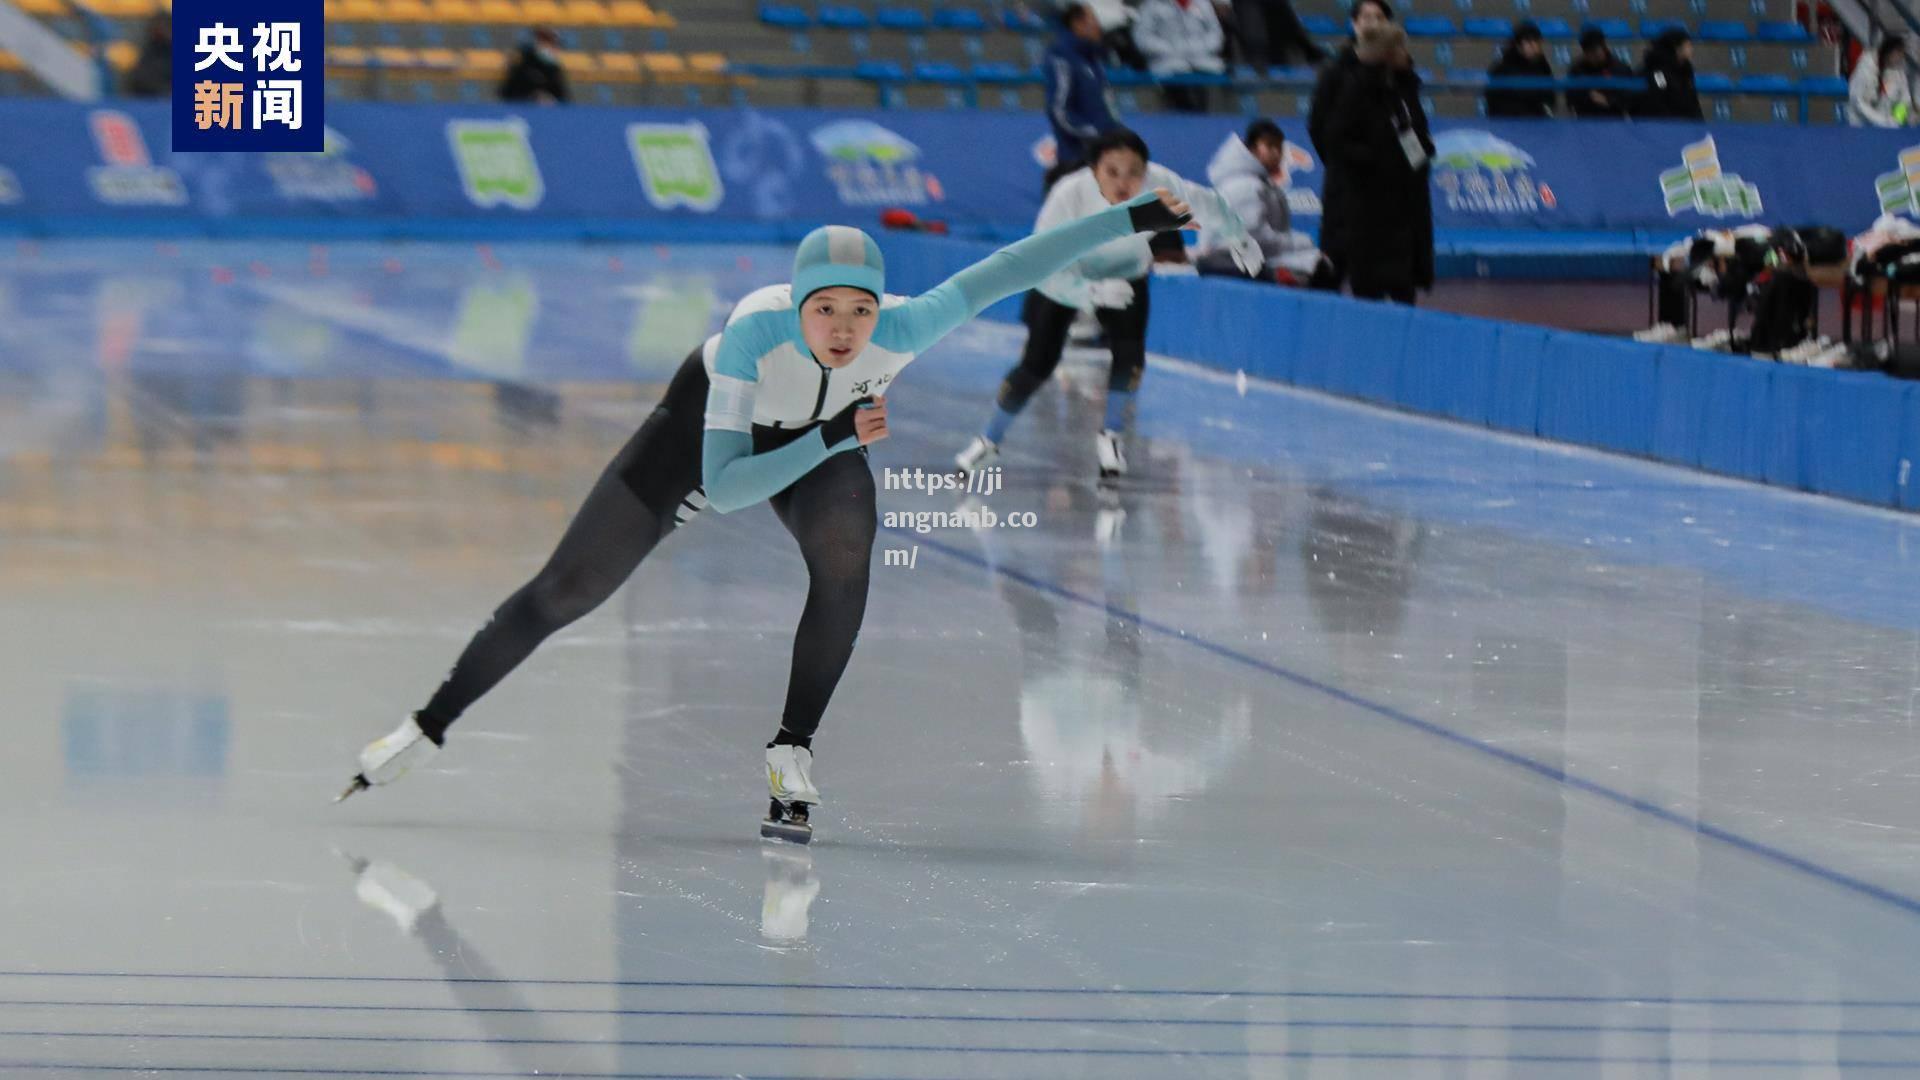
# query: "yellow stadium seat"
[[663, 63], [708, 63], [409, 11], [445, 59], [332, 10], [392, 56], [362, 10], [632, 13], [44, 7], [454, 11], [346, 56], [489, 63], [578, 63], [10, 62], [543, 13], [586, 13], [619, 65], [122, 54], [501, 11]]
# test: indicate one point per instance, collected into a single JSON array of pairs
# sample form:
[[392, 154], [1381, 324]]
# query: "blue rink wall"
[[1848, 434]]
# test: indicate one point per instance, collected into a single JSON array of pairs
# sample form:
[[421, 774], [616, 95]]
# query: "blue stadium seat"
[[1653, 28], [1429, 26], [1494, 29], [963, 19], [1782, 33], [1323, 25], [1767, 84], [1825, 85], [1722, 30], [840, 17], [1023, 22], [905, 20], [1615, 29], [933, 71], [784, 16], [879, 71], [1000, 73], [1467, 77], [1712, 82], [1555, 28]]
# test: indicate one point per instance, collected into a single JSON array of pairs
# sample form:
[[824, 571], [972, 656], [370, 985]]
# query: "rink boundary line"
[[1387, 712], [916, 1048], [1086, 991], [958, 1018]]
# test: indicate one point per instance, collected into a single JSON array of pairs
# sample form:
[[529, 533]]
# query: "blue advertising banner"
[[244, 83], [979, 172]]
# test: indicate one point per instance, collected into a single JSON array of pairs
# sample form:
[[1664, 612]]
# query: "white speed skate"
[[1113, 460], [392, 891], [389, 757], [978, 455], [791, 785]]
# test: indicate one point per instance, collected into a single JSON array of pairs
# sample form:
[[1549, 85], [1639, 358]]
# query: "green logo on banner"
[[1899, 190], [676, 165], [1700, 185], [496, 163]]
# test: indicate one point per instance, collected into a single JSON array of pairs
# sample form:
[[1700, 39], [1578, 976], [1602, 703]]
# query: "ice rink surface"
[[1335, 744]]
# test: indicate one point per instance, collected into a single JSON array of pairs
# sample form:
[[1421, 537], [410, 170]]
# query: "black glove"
[[1153, 216], [840, 428]]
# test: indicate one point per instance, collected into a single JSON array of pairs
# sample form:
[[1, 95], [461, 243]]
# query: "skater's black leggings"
[[653, 482], [1048, 324]]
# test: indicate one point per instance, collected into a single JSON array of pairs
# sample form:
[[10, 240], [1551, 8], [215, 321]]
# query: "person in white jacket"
[[1242, 171], [1111, 282], [1878, 94], [1180, 37]]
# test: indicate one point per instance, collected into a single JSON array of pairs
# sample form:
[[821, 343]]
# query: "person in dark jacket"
[[152, 73], [1598, 62], [1668, 72], [1270, 31], [1369, 129], [1525, 57], [535, 74], [1079, 101]]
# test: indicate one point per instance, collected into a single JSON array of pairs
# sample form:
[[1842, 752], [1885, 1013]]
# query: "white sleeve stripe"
[[729, 403]]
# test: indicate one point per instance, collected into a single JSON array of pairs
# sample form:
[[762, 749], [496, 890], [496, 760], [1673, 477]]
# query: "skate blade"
[[791, 832], [359, 784]]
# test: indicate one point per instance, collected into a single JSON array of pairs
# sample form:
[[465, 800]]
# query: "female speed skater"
[[1111, 282], [767, 409]]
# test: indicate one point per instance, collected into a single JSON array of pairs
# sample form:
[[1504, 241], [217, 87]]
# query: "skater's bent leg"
[[606, 540], [1048, 324], [831, 513], [1127, 335]]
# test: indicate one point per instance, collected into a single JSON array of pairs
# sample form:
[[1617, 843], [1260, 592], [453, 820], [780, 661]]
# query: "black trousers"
[[1048, 324], [648, 488]]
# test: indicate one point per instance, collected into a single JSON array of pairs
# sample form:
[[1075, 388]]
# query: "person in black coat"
[[1668, 71], [152, 73], [1369, 129], [535, 74], [1525, 57], [1598, 62]]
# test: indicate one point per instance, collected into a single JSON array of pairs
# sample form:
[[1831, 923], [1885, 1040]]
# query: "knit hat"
[[838, 255], [1377, 44]]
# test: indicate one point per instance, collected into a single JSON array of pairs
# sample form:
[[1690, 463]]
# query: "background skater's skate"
[[794, 795]]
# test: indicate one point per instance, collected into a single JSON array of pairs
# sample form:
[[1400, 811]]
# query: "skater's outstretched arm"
[[915, 325]]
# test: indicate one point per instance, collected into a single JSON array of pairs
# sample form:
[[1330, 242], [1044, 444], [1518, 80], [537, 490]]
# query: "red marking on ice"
[[662, 251], [744, 262], [392, 266], [261, 269], [222, 276], [614, 263]]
